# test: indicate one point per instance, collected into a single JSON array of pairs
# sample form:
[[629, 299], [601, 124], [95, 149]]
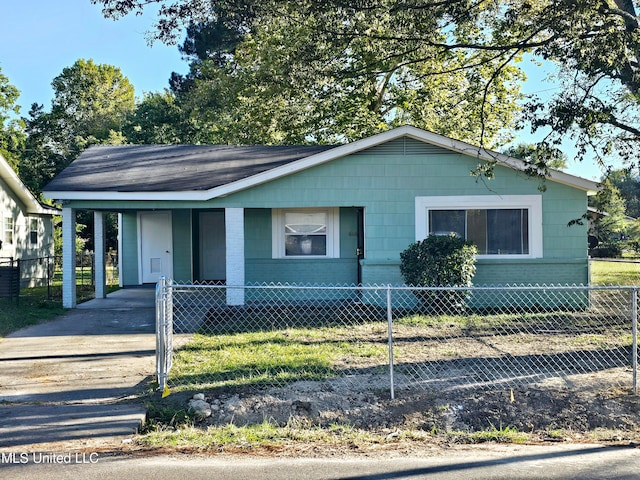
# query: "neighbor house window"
[[33, 231], [8, 230], [304, 233], [508, 226]]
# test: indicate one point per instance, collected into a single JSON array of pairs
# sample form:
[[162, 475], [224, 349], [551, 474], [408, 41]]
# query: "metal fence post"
[[161, 374], [390, 336], [634, 335], [168, 327], [49, 275]]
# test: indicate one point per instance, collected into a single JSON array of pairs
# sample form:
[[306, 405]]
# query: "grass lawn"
[[615, 273], [254, 358], [32, 308]]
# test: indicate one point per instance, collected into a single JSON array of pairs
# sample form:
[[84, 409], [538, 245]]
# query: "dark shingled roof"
[[166, 168]]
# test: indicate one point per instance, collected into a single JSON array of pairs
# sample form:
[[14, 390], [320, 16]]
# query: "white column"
[[68, 257], [99, 255], [234, 229], [120, 283]]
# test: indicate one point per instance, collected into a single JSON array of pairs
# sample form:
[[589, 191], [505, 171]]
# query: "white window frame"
[[12, 230], [33, 220], [533, 203], [278, 232]]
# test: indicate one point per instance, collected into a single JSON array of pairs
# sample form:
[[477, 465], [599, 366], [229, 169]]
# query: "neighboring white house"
[[26, 228]]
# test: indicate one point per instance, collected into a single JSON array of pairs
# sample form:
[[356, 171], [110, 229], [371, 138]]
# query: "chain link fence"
[[395, 338]]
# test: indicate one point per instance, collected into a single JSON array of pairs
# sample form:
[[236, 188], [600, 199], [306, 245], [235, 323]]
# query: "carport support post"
[[68, 257], [99, 255], [234, 231]]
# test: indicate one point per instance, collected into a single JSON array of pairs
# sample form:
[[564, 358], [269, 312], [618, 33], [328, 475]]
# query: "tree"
[[12, 134], [595, 43], [539, 158], [91, 104], [214, 39], [610, 224], [247, 87], [43, 159], [627, 182], [156, 119]]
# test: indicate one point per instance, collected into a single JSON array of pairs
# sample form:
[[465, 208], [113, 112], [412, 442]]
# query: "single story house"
[[26, 228], [337, 215]]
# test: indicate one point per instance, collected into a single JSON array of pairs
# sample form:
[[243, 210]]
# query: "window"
[[304, 233], [33, 231], [494, 231], [508, 226], [8, 230]]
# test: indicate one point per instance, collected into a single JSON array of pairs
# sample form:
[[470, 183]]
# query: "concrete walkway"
[[77, 376]]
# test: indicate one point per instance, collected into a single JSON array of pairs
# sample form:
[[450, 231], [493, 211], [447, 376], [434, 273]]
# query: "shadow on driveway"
[[78, 376]]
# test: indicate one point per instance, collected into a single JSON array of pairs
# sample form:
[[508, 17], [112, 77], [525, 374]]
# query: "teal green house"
[[334, 215]]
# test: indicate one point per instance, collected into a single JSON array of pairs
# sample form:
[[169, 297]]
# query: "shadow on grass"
[[293, 361]]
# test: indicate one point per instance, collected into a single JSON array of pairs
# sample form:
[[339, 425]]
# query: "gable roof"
[[189, 172], [22, 193]]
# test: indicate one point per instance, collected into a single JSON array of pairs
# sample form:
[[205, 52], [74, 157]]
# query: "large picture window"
[[302, 233], [507, 226], [494, 231]]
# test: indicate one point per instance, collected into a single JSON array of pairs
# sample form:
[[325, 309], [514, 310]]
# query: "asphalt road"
[[496, 462]]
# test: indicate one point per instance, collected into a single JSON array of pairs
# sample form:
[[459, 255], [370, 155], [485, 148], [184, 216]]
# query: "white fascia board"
[[141, 196], [324, 157], [43, 210]]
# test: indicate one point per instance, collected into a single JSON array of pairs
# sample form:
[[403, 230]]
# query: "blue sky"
[[39, 38]]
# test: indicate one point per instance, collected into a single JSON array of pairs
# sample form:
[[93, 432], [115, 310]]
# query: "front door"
[[213, 248], [156, 245]]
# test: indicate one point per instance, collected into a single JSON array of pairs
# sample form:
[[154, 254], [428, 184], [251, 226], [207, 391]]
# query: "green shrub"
[[635, 246], [439, 261], [607, 250]]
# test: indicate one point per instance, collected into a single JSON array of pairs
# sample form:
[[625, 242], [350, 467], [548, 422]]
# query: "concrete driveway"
[[78, 376]]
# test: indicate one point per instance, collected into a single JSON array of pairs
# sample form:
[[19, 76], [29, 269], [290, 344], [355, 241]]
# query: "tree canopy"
[[539, 156], [12, 134], [246, 84], [595, 45]]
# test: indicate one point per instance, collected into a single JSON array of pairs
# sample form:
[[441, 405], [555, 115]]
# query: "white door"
[[156, 258], [212, 246]]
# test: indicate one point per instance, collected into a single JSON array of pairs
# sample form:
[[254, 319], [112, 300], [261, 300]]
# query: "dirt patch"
[[553, 410]]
